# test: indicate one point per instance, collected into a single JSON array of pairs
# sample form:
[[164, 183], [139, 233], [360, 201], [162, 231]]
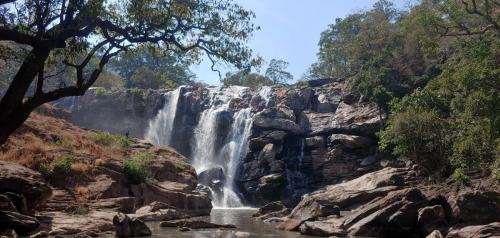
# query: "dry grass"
[[46, 140], [83, 193], [81, 168]]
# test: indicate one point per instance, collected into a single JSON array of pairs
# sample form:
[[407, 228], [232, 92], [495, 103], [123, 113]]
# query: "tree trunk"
[[15, 120], [13, 111], [381, 119]]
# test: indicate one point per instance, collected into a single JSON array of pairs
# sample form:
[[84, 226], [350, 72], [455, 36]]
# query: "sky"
[[290, 30]]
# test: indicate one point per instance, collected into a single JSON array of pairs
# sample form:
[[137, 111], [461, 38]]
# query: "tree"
[[109, 81], [65, 35], [276, 72], [243, 78], [164, 69]]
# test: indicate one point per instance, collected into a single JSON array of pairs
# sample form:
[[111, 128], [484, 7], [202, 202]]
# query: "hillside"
[[86, 176]]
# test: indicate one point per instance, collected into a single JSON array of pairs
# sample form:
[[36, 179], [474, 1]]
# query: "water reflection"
[[242, 218]]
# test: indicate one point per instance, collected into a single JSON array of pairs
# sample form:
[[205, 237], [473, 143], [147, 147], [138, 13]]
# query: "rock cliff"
[[302, 136]]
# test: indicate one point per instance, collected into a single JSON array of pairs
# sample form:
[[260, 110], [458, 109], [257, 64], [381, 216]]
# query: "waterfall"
[[265, 93], [159, 131], [206, 154], [234, 149], [72, 103]]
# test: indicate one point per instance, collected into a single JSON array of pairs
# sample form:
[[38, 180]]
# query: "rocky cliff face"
[[301, 137], [114, 111]]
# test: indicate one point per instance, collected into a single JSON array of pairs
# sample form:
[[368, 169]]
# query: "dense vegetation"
[[435, 69]]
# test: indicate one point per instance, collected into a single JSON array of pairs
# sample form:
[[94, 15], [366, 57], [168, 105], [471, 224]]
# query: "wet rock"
[[21, 180], [268, 185], [153, 207], [435, 234], [22, 224], [478, 231], [195, 224], [207, 177], [431, 218], [129, 227], [183, 229], [315, 142], [158, 211], [320, 229], [40, 234], [269, 207], [242, 234]]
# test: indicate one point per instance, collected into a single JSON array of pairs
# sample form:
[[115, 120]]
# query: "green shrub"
[[460, 176], [100, 91], [418, 136], [63, 166], [474, 145], [108, 139], [136, 168], [78, 210]]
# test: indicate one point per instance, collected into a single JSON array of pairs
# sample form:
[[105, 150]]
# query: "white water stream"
[[160, 128]]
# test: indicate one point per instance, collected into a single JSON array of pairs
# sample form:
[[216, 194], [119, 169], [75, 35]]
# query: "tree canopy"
[[66, 35], [151, 68], [275, 73], [435, 68]]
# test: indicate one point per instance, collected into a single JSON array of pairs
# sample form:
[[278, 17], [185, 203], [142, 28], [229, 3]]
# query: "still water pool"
[[241, 218]]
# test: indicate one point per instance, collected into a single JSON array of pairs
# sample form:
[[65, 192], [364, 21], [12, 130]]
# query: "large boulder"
[[22, 224], [478, 231], [277, 119], [316, 228], [210, 176], [475, 207], [191, 203], [357, 119], [129, 227], [431, 218], [21, 180], [396, 215], [346, 196]]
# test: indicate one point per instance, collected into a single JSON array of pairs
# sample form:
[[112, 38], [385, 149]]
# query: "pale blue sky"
[[290, 30]]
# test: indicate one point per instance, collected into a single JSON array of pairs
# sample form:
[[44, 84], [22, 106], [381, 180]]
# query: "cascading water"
[[206, 154], [160, 128], [234, 149]]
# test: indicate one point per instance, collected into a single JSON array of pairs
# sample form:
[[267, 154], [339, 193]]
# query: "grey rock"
[[129, 227]]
